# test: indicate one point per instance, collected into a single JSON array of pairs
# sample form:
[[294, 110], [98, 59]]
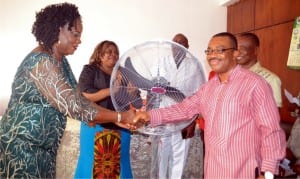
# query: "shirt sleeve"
[[52, 84], [273, 143], [178, 112]]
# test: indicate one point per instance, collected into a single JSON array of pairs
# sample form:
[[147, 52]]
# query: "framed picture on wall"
[[294, 52]]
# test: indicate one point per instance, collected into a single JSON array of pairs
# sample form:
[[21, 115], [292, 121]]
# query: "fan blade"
[[144, 83], [174, 93], [130, 74]]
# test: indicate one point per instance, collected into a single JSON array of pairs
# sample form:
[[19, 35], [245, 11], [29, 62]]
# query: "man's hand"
[[141, 118], [129, 119], [261, 176], [133, 119]]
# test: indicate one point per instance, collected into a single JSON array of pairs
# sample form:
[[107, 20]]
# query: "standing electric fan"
[[163, 73]]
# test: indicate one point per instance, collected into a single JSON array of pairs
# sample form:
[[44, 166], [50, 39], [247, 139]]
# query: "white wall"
[[127, 22]]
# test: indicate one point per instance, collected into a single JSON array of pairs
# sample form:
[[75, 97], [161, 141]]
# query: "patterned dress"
[[43, 95]]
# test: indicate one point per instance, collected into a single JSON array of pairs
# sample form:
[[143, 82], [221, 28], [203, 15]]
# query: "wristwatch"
[[268, 175]]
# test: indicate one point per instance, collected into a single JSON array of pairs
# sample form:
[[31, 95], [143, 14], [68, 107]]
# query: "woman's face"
[[110, 56], [68, 40]]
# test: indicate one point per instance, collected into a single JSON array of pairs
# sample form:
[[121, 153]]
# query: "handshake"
[[133, 119], [130, 119]]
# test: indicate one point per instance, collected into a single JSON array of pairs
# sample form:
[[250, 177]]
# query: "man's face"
[[221, 56], [247, 52], [181, 40]]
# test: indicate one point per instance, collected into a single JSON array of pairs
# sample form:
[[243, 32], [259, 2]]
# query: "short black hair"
[[48, 21], [251, 36], [230, 36]]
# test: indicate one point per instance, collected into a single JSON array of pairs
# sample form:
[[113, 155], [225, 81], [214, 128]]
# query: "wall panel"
[[272, 21], [273, 54], [272, 12], [240, 16]]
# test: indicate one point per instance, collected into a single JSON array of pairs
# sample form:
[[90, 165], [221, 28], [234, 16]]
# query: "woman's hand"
[[141, 117], [126, 120], [125, 126], [133, 120], [127, 116], [92, 123]]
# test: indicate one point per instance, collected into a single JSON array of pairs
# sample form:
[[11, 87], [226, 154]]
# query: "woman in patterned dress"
[[43, 95]]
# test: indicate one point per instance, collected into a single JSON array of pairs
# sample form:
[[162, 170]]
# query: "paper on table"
[[285, 164]]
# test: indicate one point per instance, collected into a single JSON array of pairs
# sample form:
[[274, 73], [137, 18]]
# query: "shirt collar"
[[232, 75], [255, 66]]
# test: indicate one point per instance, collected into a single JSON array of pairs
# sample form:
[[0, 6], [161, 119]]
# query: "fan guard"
[[155, 74]]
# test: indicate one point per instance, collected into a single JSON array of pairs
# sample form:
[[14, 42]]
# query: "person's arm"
[[123, 119], [267, 118], [53, 85], [185, 110], [97, 96], [87, 84]]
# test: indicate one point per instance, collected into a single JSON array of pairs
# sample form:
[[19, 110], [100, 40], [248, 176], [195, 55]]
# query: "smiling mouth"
[[214, 61]]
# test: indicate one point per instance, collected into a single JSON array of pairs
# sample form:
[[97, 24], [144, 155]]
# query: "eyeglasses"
[[217, 51]]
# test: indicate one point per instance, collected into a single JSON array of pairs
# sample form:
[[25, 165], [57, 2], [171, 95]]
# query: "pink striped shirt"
[[242, 128]]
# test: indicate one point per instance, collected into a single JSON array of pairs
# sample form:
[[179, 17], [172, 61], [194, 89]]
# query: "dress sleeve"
[[50, 80]]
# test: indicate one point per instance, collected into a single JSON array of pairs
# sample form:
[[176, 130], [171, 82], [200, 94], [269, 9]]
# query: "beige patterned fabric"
[[68, 151]]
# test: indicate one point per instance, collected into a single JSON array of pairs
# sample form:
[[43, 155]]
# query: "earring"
[[58, 42]]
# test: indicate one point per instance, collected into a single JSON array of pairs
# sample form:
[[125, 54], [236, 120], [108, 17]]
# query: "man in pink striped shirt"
[[243, 138]]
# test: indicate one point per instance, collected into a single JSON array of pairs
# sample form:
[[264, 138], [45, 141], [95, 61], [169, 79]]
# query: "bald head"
[[181, 39]]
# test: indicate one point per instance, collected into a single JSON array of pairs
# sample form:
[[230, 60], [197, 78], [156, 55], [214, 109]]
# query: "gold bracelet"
[[119, 117]]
